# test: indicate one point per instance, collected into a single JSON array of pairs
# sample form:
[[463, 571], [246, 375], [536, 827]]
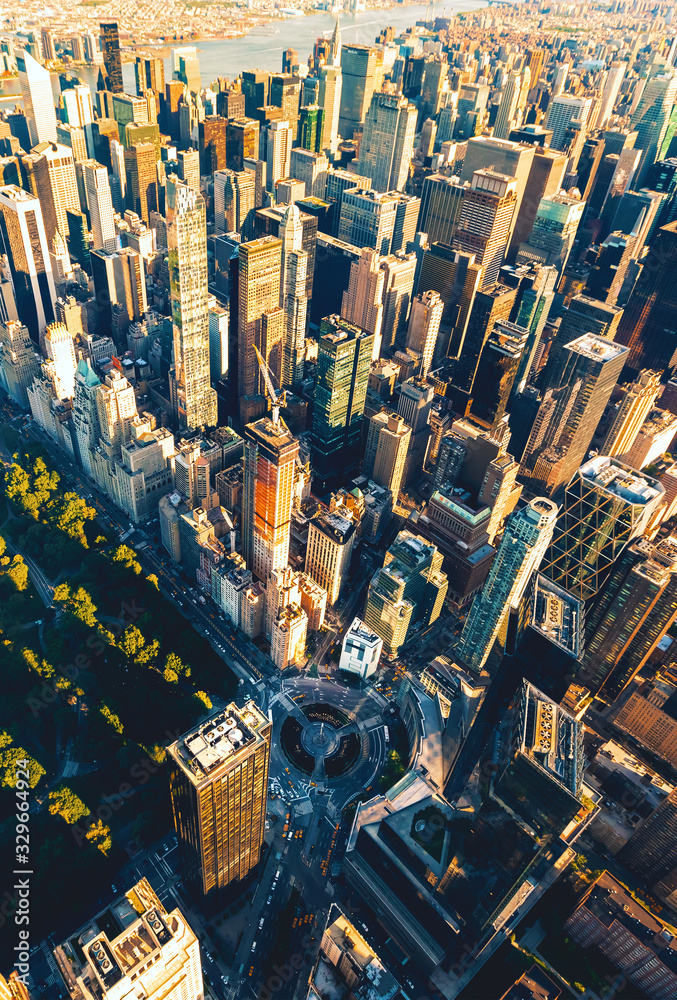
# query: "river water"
[[262, 48]]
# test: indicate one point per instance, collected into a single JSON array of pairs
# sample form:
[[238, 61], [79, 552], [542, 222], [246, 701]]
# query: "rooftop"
[[597, 348], [613, 477], [557, 615], [217, 741]]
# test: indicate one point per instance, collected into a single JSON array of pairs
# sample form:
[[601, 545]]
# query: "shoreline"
[[164, 49]]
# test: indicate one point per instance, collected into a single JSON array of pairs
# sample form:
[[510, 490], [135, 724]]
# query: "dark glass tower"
[[110, 44]]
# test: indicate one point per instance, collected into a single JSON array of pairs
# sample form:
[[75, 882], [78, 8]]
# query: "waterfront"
[[262, 48]]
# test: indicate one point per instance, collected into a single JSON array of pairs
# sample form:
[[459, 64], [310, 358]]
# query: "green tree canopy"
[[10, 755], [65, 803]]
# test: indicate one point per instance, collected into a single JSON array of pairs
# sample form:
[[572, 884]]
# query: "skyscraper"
[[496, 373], [508, 109], [632, 410], [212, 144], [141, 174], [606, 505], [651, 852], [386, 451], [242, 142], [634, 610], [19, 362], [585, 375], [553, 232], [57, 187], [360, 68], [187, 243], [278, 152], [149, 72], [524, 542], [38, 100], [367, 219], [60, 350], [120, 289], [258, 302], [269, 468], [399, 273], [25, 243], [387, 142], [514, 159], [329, 98], [441, 201], [362, 304], [219, 786], [100, 205], [343, 363], [293, 298], [648, 320], [111, 57], [424, 326], [651, 119], [568, 119], [234, 202], [311, 118], [485, 221], [612, 86]]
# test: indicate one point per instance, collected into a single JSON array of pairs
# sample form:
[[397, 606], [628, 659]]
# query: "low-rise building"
[[360, 651]]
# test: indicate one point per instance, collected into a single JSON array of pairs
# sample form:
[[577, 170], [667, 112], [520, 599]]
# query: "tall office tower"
[[120, 289], [582, 382], [151, 951], [496, 374], [78, 239], [329, 98], [612, 86], [218, 341], [38, 100], [256, 90], [57, 186], [387, 143], [60, 350], [472, 107], [636, 607], [47, 43], [424, 326], [506, 116], [141, 173], [606, 505], [329, 551], [441, 201], [270, 453], [212, 144], [230, 103], [111, 57], [311, 124], [414, 406], [293, 297], [85, 413], [187, 67], [554, 231], [485, 221], [385, 452], [25, 242], [651, 119], [406, 220], [502, 156], [399, 271], [409, 588], [545, 177], [527, 536], [343, 363], [311, 169], [278, 152], [651, 852], [19, 363], [584, 315], [242, 142], [631, 412], [149, 72], [535, 296], [651, 309], [234, 202], [100, 206], [367, 219], [362, 304], [360, 66], [260, 273], [568, 119], [218, 781], [74, 138], [189, 167], [488, 307], [187, 243], [285, 92], [534, 60]]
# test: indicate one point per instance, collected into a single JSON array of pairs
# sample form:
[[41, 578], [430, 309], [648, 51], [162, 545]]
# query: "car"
[[251, 971]]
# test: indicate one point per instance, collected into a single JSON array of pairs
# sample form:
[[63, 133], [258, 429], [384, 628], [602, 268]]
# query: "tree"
[[131, 642], [78, 604], [127, 556], [99, 836], [42, 668], [68, 512], [111, 719], [174, 668], [17, 572], [11, 760], [65, 803], [204, 698]]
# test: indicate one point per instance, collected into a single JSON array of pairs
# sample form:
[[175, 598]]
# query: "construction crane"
[[276, 400]]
